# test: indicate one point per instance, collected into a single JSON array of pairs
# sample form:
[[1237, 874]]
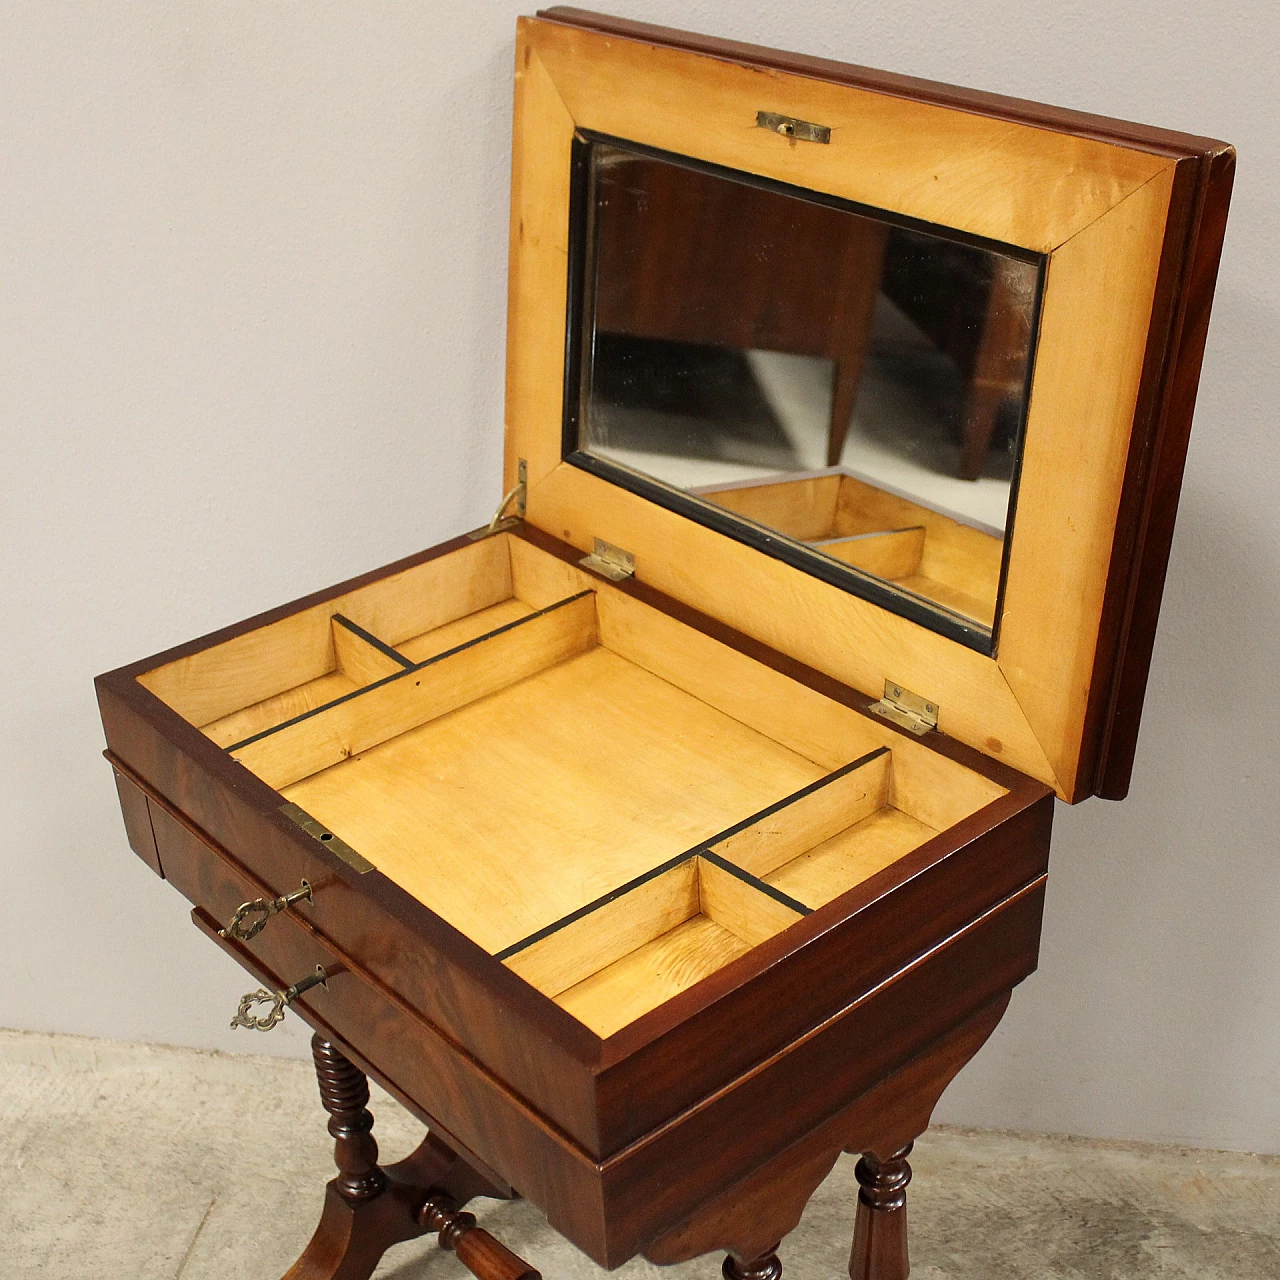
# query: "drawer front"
[[136, 811], [459, 1098], [398, 940]]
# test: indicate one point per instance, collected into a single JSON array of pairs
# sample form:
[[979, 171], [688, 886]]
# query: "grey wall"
[[252, 322]]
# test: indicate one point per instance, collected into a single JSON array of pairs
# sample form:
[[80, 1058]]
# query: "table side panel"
[[136, 810], [767, 1205]]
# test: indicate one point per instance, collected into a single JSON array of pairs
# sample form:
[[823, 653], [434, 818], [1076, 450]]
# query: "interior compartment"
[[610, 801], [927, 552], [835, 834], [635, 948], [652, 939]]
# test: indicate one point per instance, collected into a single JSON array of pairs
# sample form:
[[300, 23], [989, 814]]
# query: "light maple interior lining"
[[608, 800]]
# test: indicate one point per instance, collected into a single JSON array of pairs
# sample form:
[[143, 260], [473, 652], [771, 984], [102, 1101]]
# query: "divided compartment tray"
[[541, 761]]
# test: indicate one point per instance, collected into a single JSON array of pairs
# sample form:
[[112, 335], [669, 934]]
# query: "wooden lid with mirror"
[[895, 378]]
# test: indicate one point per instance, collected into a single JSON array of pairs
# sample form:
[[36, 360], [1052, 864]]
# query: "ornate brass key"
[[278, 1000], [259, 911]]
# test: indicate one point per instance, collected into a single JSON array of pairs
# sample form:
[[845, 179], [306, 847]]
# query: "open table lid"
[[1127, 222]]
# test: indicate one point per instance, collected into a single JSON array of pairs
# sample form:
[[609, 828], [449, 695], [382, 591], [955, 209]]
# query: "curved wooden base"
[[746, 1220], [351, 1239], [369, 1208]]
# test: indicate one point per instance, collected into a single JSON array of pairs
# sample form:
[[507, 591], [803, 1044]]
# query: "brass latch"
[[790, 127], [518, 495], [907, 709], [610, 562], [336, 846]]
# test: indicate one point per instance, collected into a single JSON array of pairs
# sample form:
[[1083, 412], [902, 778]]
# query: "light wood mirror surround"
[[1115, 212], [611, 802]]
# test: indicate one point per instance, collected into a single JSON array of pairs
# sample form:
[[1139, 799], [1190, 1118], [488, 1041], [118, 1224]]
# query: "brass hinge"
[[518, 495], [907, 709], [609, 561]]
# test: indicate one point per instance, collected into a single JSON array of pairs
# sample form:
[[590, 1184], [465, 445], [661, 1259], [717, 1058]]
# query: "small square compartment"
[[634, 949]]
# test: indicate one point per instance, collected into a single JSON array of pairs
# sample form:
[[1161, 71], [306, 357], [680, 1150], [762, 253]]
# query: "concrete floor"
[[126, 1160]]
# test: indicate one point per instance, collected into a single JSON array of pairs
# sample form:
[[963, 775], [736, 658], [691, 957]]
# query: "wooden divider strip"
[[363, 657], [624, 921], [863, 785], [408, 667], [209, 684], [735, 903], [765, 841], [397, 703], [572, 950]]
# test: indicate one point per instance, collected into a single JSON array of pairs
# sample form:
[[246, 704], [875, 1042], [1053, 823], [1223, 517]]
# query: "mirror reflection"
[[844, 379]]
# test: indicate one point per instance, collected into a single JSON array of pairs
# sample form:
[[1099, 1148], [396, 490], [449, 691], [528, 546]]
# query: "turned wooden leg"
[[766, 1267], [365, 1211], [880, 1231], [344, 1092], [368, 1208]]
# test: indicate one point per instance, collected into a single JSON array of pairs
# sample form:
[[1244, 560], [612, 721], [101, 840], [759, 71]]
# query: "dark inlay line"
[[408, 671], [704, 850], [756, 883], [370, 639], [787, 801], [556, 925]]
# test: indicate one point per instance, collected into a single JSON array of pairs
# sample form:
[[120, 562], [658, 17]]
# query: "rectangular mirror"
[[834, 384]]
